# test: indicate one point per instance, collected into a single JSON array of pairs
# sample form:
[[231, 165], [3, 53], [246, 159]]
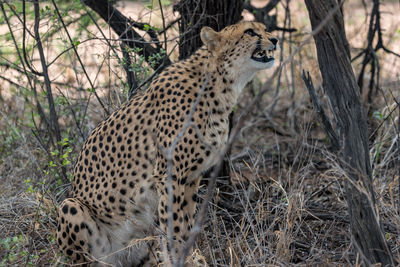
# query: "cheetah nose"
[[274, 41]]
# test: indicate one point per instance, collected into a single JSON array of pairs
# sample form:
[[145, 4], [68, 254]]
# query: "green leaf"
[[146, 27], [377, 115]]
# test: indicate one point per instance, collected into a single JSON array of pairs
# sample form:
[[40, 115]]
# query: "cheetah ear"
[[210, 38]]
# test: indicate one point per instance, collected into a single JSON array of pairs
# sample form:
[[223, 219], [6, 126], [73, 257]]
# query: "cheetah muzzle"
[[262, 55]]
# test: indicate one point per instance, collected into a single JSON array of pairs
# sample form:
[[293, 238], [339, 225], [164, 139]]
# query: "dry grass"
[[284, 202]]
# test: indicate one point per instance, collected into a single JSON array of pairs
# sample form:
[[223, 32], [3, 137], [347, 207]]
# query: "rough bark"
[[341, 87], [198, 13]]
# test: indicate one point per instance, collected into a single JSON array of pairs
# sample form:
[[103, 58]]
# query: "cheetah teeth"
[[263, 55]]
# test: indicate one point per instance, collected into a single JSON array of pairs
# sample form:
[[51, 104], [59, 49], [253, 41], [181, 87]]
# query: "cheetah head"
[[246, 45]]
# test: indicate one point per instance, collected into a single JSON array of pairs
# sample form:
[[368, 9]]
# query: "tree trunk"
[[341, 87], [195, 14]]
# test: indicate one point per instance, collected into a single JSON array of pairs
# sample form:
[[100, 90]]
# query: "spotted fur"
[[119, 194]]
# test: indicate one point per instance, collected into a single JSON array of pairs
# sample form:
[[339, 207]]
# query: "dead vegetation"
[[284, 203]]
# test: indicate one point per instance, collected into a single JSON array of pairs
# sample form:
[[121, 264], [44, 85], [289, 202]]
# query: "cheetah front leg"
[[181, 214], [190, 197]]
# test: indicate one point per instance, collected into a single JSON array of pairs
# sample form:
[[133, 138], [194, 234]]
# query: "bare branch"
[[25, 71], [262, 15], [332, 135], [55, 127], [122, 26], [23, 42], [369, 53], [79, 59]]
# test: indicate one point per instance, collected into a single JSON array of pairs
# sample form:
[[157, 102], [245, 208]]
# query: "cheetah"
[[151, 153]]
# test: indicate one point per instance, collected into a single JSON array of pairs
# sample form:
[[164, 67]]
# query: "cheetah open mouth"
[[262, 55]]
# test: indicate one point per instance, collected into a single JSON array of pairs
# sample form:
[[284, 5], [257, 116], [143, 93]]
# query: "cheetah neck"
[[226, 81]]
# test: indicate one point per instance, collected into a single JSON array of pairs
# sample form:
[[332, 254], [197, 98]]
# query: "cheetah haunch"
[[119, 194]]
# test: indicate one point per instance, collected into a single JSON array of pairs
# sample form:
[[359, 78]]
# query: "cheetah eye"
[[250, 32]]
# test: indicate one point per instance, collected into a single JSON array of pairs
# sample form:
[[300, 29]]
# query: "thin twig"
[[278, 83], [369, 53], [122, 26], [169, 25], [79, 59], [126, 62], [332, 135], [163, 23], [130, 75], [28, 75], [55, 127], [23, 41]]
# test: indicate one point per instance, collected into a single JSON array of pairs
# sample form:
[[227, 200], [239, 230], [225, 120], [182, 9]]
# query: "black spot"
[[65, 209], [184, 203], [73, 211], [193, 168]]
